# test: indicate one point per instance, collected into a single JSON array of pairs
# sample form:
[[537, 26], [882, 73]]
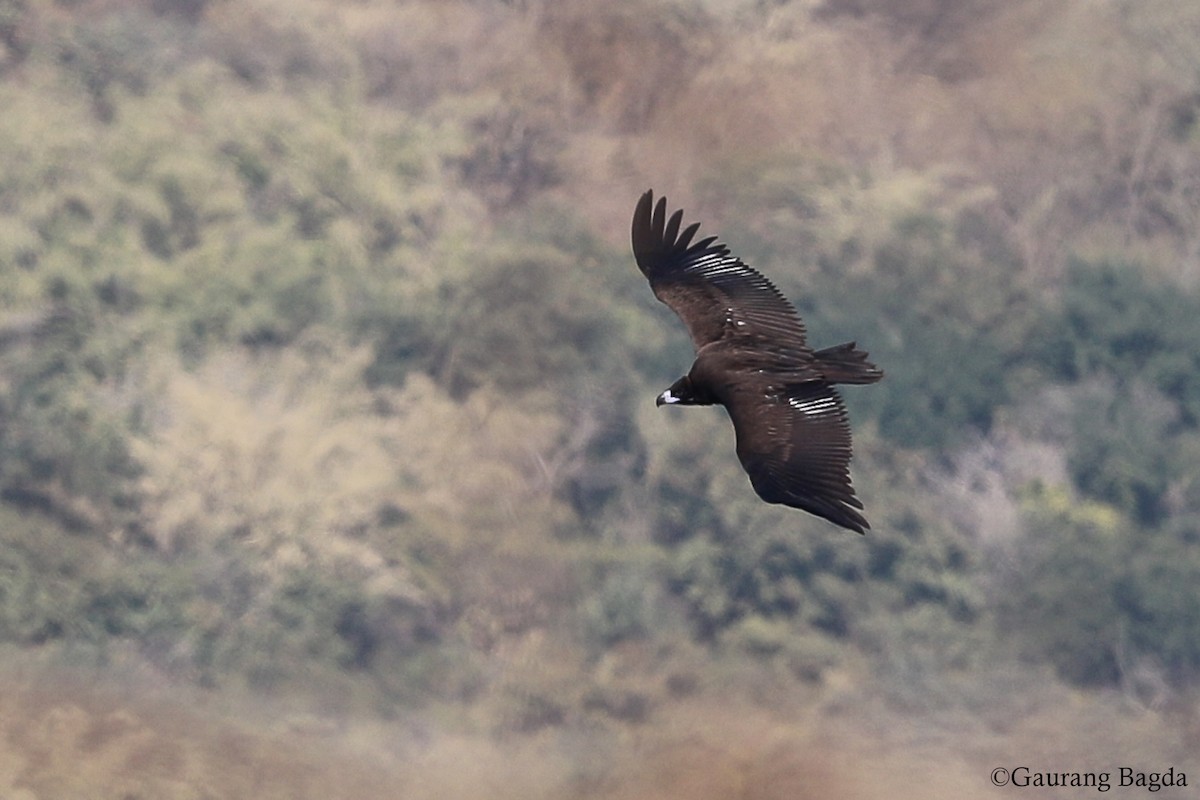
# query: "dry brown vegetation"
[[67, 736]]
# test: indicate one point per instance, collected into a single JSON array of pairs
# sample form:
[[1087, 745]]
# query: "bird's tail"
[[844, 364]]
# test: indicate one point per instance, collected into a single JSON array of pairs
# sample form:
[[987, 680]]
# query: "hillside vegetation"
[[327, 379]]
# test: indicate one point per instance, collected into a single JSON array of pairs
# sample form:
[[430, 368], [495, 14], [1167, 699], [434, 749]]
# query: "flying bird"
[[753, 358]]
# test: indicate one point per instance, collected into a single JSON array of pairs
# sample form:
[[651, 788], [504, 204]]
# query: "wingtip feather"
[[672, 229], [685, 238], [659, 220]]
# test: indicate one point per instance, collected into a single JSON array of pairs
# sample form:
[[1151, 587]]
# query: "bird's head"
[[682, 392]]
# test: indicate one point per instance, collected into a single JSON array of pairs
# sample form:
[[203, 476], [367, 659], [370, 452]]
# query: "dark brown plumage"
[[752, 356]]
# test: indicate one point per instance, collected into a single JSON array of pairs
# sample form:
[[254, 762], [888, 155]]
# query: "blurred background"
[[329, 460]]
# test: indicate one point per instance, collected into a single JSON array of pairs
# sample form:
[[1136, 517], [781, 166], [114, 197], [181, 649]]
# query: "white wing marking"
[[813, 406]]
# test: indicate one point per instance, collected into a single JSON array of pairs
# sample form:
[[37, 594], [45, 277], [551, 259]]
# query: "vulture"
[[753, 358]]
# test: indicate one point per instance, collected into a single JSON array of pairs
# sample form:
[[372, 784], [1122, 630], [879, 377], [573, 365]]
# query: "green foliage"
[[57, 587], [127, 50], [1115, 320], [522, 322], [1132, 343], [40, 579], [1159, 595], [310, 619], [66, 447], [768, 569], [1092, 593], [1126, 449], [624, 605], [945, 348], [1062, 601], [521, 313]]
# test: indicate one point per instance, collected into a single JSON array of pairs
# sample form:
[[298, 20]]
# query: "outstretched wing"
[[712, 291], [795, 446]]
